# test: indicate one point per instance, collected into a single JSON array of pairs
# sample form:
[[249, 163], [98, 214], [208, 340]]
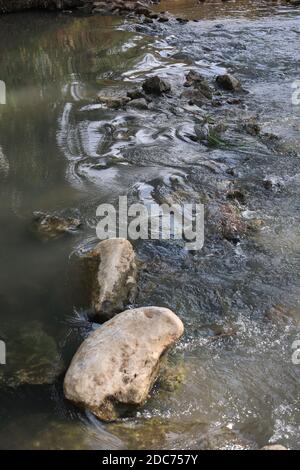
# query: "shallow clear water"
[[61, 152]]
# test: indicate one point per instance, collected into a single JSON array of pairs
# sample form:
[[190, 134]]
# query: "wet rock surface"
[[172, 373], [114, 271], [49, 226], [118, 363], [156, 86], [33, 357], [228, 82]]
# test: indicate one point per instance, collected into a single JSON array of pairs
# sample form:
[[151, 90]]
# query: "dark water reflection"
[[61, 151]]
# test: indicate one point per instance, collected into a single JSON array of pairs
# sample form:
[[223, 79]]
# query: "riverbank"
[[118, 6]]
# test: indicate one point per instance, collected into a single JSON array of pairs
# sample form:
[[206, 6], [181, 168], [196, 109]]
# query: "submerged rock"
[[223, 438], [113, 101], [118, 363], [209, 131], [51, 226], [236, 195], [283, 314], [140, 103], [252, 126], [273, 183], [4, 165], [233, 228], [196, 80], [150, 433], [194, 96], [32, 357], [114, 283], [171, 374], [156, 86], [227, 220], [136, 94], [228, 82]]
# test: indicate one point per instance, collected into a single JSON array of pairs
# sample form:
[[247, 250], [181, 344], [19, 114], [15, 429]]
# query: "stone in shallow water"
[[228, 82], [171, 374], [118, 363], [140, 103], [113, 101], [51, 226], [114, 279], [32, 357], [156, 86]]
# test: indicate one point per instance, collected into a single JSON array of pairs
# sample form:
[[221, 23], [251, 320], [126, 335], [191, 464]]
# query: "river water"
[[62, 152]]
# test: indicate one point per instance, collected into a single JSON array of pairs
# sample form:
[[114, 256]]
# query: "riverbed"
[[63, 152]]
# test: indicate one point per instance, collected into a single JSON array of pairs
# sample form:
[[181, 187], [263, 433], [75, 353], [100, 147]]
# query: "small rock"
[[140, 103], [237, 195], [255, 225], [194, 97], [207, 130], [252, 126], [118, 363], [222, 438], [171, 374], [136, 94], [114, 102], [273, 182], [163, 19], [182, 20], [51, 226], [232, 226], [156, 86], [283, 314], [196, 80], [115, 279], [142, 10], [228, 82], [147, 20]]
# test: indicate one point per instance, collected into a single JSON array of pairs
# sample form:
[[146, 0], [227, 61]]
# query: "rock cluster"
[[117, 364]]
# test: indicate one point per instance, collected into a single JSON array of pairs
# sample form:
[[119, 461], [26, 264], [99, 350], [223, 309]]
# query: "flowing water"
[[62, 152]]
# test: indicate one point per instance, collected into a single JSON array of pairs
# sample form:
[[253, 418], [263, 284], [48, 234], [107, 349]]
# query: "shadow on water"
[[62, 151]]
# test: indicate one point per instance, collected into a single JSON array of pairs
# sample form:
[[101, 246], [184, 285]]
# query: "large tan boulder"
[[114, 283], [118, 363]]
